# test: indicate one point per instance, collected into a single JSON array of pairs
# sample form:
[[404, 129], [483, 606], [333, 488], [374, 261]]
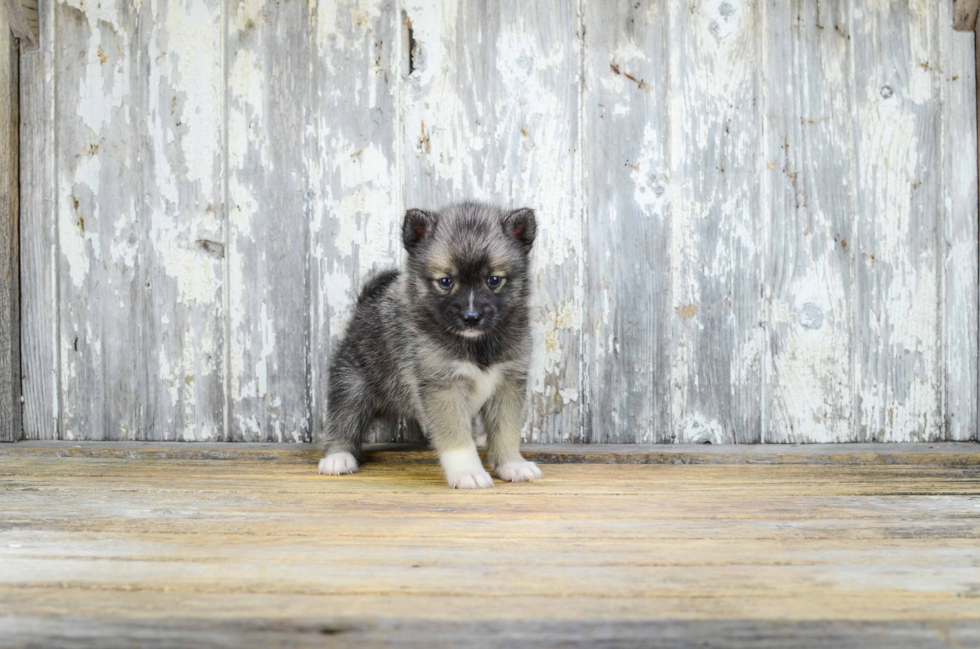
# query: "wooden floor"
[[135, 548]]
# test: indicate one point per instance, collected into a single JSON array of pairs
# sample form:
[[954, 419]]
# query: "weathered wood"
[[31, 15], [181, 237], [16, 21], [809, 173], [39, 270], [693, 282], [899, 333], [961, 236], [965, 14], [490, 110], [950, 454], [362, 633], [103, 372], [627, 342], [10, 411], [717, 243], [268, 239], [356, 206], [222, 543]]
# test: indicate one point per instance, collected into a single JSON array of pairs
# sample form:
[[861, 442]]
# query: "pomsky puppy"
[[442, 341]]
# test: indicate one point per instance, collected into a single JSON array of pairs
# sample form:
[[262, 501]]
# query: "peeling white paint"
[[96, 105], [79, 246], [198, 277]]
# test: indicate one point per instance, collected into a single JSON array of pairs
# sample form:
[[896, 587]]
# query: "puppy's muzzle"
[[472, 318]]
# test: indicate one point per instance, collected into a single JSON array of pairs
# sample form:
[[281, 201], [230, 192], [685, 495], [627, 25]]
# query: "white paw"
[[337, 464], [519, 471], [463, 469], [471, 480]]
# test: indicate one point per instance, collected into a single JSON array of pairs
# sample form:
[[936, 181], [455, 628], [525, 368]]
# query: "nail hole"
[[213, 248]]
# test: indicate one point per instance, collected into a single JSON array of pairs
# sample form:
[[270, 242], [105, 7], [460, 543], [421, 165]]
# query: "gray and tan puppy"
[[443, 341]]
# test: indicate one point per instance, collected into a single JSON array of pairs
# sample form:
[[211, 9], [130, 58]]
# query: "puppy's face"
[[468, 265]]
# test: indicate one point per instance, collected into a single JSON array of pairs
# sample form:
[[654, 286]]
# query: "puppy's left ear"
[[521, 226]]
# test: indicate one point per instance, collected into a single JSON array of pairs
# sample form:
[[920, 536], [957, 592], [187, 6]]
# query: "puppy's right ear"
[[417, 227]]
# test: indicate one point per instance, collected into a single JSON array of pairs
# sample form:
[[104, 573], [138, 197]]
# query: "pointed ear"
[[417, 227], [521, 226]]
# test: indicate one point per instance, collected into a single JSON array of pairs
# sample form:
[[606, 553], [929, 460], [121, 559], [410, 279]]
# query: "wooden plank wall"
[[10, 411], [628, 217], [40, 257], [961, 303], [758, 219]]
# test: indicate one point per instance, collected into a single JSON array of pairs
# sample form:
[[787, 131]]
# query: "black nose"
[[472, 317]]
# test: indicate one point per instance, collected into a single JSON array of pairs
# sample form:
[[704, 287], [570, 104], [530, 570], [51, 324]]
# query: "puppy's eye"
[[493, 281], [446, 282]]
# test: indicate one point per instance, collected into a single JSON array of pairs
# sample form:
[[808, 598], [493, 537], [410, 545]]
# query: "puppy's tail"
[[376, 285]]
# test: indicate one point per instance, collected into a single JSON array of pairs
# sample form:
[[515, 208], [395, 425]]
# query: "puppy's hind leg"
[[347, 418]]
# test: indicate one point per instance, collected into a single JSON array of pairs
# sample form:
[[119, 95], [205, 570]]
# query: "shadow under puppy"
[[442, 341]]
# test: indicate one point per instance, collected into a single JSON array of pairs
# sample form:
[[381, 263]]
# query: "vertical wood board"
[[627, 174], [181, 225], [809, 170], [961, 235], [39, 262], [10, 410], [898, 342], [103, 378], [268, 233], [716, 226]]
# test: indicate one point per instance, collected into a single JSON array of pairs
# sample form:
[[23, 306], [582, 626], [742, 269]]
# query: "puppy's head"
[[468, 266]]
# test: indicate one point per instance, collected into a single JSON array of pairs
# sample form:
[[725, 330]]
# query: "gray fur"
[[408, 351]]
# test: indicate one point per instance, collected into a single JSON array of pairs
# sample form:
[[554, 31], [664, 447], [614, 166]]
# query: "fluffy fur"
[[444, 341]]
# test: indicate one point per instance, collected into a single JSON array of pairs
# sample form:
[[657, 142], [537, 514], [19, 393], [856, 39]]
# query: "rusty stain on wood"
[[639, 82]]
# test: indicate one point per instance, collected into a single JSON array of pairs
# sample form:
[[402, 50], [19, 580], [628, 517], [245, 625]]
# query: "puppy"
[[442, 341]]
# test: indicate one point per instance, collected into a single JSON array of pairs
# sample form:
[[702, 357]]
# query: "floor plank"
[[96, 550]]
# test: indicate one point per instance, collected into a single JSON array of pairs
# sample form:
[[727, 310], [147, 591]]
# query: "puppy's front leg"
[[503, 416], [449, 427]]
